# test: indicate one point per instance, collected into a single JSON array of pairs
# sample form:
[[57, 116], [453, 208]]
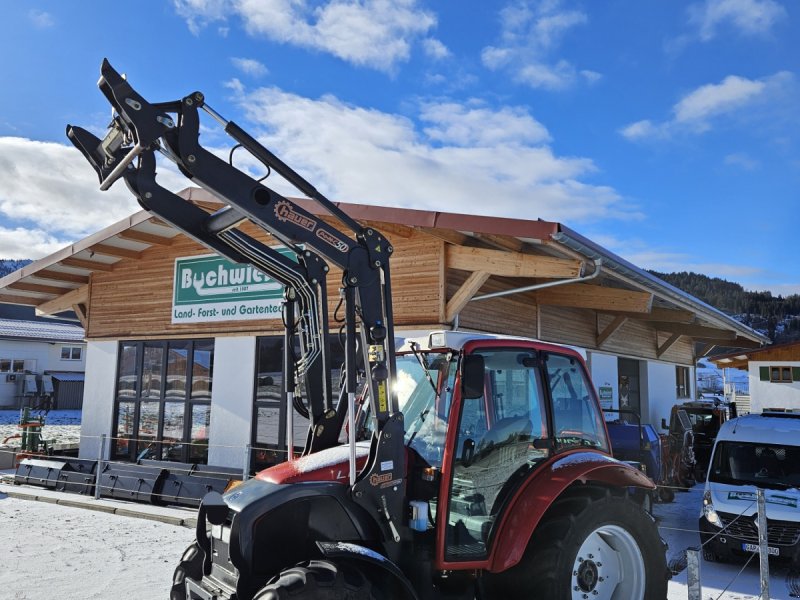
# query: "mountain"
[[776, 316], [9, 265]]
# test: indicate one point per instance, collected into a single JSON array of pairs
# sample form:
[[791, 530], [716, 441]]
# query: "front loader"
[[473, 465]]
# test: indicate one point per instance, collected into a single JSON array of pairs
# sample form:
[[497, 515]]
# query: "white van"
[[753, 451]]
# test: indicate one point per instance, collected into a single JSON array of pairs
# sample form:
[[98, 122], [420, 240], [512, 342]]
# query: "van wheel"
[[606, 548]]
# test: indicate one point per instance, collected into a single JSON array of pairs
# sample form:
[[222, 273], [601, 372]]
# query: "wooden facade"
[[120, 284]]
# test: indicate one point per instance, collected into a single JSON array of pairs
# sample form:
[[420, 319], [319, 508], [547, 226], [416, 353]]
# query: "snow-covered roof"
[[33, 330]]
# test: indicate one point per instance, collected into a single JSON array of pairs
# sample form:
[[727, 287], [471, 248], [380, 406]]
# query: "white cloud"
[[743, 161], [250, 66], [468, 158], [701, 108], [530, 34], [749, 17], [21, 243], [41, 19], [52, 186], [477, 126], [199, 13], [435, 48], [370, 33], [714, 99]]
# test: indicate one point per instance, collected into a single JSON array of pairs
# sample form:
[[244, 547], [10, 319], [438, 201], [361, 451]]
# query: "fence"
[[121, 477]]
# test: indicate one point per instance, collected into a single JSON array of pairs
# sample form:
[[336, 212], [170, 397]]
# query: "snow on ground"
[[49, 550], [677, 522], [60, 426]]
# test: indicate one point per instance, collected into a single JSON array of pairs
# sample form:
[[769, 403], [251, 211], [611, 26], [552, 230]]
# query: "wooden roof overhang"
[[544, 260], [788, 352]]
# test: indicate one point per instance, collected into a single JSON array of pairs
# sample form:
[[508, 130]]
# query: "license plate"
[[754, 548]]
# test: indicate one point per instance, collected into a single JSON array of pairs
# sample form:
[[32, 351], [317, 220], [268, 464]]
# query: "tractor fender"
[[524, 510], [375, 561]]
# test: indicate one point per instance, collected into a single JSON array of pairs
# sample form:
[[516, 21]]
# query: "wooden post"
[[763, 544], [693, 574]]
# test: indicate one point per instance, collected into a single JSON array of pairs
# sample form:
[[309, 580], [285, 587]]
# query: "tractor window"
[[494, 448], [576, 417], [425, 404]]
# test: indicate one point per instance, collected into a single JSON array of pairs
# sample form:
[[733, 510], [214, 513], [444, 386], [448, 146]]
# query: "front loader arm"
[[139, 129]]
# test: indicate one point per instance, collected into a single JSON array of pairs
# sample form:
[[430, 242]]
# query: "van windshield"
[[761, 465]]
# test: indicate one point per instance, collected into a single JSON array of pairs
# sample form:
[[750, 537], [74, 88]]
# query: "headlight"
[[708, 511]]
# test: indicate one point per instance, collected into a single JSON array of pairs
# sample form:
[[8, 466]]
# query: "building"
[[41, 360], [773, 375], [172, 375]]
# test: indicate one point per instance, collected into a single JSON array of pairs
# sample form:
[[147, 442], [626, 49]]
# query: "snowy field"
[[51, 550], [60, 426]]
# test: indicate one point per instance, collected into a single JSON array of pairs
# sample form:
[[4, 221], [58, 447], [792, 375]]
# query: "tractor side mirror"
[[664, 424], [472, 376]]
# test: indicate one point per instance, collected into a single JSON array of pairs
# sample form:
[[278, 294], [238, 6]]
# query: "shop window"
[[683, 386], [269, 434], [71, 352], [157, 414]]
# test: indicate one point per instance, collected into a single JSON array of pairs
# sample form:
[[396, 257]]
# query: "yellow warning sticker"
[[383, 404]]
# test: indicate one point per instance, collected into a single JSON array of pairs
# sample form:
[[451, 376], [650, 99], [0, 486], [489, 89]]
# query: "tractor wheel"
[[320, 580], [602, 547], [191, 565]]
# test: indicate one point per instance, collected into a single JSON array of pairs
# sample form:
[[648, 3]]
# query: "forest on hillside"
[[777, 316]]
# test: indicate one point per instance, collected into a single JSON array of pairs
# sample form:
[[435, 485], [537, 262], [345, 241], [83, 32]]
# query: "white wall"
[[765, 394], [98, 397], [656, 385], [39, 357], [604, 371], [232, 400]]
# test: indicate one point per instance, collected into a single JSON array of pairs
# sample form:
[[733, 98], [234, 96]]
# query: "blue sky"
[[668, 132]]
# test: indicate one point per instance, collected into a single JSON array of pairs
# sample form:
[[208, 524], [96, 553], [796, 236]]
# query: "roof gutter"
[[547, 284], [611, 262]]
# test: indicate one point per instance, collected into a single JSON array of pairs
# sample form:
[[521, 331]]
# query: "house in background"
[[42, 361], [773, 374]]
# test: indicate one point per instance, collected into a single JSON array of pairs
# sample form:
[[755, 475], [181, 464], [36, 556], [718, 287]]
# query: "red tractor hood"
[[327, 465]]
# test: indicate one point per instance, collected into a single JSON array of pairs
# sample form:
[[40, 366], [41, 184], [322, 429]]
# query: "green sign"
[[210, 288]]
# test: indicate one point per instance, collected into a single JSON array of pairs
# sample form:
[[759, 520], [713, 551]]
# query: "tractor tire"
[[191, 565], [320, 580], [599, 546]]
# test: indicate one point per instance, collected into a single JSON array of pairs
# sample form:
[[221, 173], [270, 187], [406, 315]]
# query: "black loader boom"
[[140, 129]]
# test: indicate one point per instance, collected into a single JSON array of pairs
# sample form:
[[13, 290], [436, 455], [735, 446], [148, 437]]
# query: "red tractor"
[[455, 466]]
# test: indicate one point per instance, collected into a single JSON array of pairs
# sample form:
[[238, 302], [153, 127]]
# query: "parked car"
[[752, 452]]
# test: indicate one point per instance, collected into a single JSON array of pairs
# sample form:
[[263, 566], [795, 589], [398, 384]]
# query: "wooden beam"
[[464, 294], [38, 288], [65, 302], [26, 300], [696, 331], [108, 250], [82, 314], [61, 276], [583, 295], [610, 329], [146, 238], [503, 242], [510, 264], [706, 350], [665, 315], [451, 237], [668, 344], [89, 265]]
